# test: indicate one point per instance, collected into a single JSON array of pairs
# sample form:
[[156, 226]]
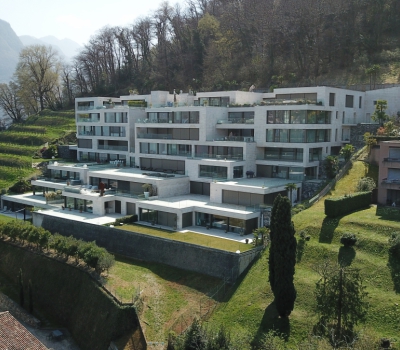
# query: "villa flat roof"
[[133, 172], [258, 182], [198, 203]]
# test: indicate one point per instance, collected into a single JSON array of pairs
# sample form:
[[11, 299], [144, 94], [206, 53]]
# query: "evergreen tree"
[[282, 256]]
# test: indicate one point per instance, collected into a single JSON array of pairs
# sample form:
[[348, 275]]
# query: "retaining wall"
[[72, 298], [209, 261]]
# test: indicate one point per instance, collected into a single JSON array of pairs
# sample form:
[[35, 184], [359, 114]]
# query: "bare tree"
[[11, 103]]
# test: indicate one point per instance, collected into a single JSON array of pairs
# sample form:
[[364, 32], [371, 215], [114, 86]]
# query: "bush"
[[126, 220], [394, 242], [365, 184], [21, 186], [348, 239], [343, 205]]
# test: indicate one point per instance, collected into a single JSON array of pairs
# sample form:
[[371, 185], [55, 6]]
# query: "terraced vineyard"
[[20, 142]]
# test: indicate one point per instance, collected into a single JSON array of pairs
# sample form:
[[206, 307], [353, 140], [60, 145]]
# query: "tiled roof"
[[13, 335]]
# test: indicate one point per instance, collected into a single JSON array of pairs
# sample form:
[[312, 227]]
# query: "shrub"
[[365, 184], [126, 219], [394, 242], [21, 186], [343, 205], [348, 239]]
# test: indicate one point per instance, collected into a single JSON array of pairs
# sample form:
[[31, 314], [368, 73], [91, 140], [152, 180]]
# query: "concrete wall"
[[71, 298], [212, 262]]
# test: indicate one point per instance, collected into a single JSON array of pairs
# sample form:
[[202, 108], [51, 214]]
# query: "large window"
[[284, 154], [298, 135], [215, 172], [212, 101], [331, 99], [298, 117], [241, 117], [219, 152], [172, 134], [116, 117], [83, 143], [349, 101], [166, 149], [178, 117]]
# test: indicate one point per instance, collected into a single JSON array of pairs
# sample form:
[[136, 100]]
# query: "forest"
[[211, 45]]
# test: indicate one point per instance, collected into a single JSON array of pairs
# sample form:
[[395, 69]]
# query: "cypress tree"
[[282, 256]]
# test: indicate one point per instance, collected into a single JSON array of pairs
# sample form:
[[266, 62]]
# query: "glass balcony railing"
[[88, 120], [92, 133], [113, 148], [281, 159], [154, 136], [166, 121], [272, 102], [237, 157], [235, 121], [391, 159], [85, 108], [233, 138]]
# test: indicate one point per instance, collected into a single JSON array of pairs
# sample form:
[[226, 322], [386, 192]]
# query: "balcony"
[[166, 121], [88, 120], [349, 121], [237, 157], [391, 182], [176, 154], [281, 159], [113, 148], [235, 121], [274, 102], [93, 133], [391, 160], [233, 138], [154, 136]]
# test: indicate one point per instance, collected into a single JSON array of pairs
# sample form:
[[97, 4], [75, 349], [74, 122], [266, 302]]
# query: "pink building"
[[389, 173]]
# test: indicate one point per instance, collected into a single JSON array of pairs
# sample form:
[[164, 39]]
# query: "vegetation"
[[22, 142], [347, 151], [340, 303], [366, 184], [331, 166], [337, 206], [380, 115], [93, 256], [282, 256], [249, 312], [189, 237]]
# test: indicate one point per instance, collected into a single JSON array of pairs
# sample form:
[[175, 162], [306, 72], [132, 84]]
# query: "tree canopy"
[[282, 256]]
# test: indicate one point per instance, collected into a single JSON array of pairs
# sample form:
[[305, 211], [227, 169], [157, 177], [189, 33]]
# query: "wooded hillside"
[[225, 44]]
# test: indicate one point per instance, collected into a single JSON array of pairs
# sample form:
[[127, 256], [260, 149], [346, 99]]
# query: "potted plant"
[[81, 208], [69, 208], [147, 190]]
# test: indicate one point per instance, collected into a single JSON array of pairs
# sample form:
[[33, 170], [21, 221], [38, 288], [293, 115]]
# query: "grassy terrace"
[[248, 310], [20, 142], [190, 237]]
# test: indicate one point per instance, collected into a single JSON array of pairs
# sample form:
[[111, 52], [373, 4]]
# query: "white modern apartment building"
[[215, 159]]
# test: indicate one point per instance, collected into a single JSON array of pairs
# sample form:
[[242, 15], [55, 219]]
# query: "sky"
[[74, 19]]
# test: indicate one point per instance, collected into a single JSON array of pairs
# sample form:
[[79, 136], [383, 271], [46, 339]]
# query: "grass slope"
[[167, 293], [21, 141], [248, 312]]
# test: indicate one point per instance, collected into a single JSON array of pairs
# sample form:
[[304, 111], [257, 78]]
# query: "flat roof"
[[118, 173], [263, 182], [196, 202]]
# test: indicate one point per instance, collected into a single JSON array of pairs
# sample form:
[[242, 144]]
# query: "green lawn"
[[190, 237], [248, 311]]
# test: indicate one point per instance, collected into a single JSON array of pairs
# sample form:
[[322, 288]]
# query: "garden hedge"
[[344, 205]]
